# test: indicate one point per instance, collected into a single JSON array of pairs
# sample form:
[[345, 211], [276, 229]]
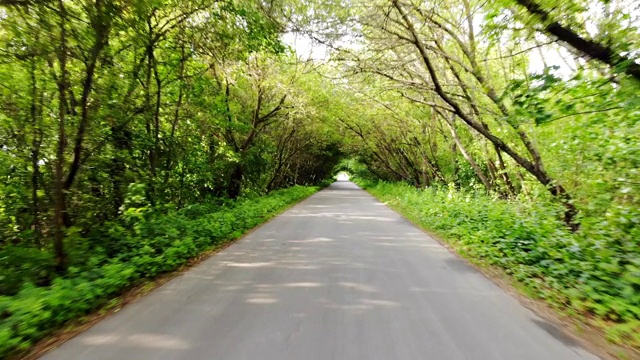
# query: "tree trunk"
[[588, 48], [557, 190], [465, 154], [59, 194], [101, 28], [149, 114], [35, 155], [121, 142], [235, 181], [176, 114], [504, 174], [156, 120]]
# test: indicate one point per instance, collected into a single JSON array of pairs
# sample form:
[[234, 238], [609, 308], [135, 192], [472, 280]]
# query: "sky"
[[304, 46], [306, 49]]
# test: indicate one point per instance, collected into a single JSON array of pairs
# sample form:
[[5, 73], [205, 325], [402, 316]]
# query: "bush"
[[146, 244], [20, 264]]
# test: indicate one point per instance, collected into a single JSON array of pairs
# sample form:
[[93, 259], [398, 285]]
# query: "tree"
[[604, 51]]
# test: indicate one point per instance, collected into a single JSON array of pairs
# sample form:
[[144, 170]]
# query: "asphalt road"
[[339, 276]]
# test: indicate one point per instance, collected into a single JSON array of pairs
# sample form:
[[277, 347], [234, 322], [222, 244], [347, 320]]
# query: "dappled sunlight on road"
[[303, 285], [329, 271], [342, 216], [261, 300], [314, 240], [146, 340], [247, 265]]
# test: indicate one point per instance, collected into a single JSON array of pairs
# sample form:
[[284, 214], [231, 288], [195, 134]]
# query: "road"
[[339, 276]]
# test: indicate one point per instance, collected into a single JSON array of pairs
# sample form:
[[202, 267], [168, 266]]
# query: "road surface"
[[339, 276]]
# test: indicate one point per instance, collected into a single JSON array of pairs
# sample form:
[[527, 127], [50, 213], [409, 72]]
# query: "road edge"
[[590, 338], [137, 292]]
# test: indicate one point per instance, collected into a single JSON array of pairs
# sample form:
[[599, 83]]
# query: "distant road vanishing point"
[[339, 276]]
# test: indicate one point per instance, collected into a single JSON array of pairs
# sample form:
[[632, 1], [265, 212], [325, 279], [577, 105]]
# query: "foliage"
[[188, 100], [135, 135], [123, 123], [593, 274], [146, 242]]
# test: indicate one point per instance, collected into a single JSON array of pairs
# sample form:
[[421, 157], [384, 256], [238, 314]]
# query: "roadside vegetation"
[[143, 243], [591, 275], [495, 125], [135, 134]]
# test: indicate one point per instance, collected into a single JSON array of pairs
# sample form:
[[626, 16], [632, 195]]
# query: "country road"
[[339, 276]]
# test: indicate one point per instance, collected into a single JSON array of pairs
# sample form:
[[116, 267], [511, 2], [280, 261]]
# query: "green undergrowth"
[[143, 244], [593, 274]]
